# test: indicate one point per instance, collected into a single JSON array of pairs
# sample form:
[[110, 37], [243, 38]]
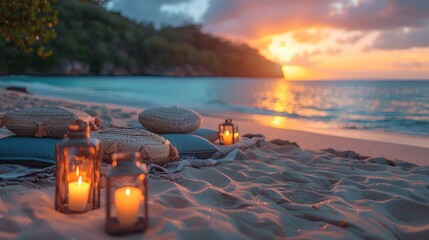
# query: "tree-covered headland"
[[75, 37]]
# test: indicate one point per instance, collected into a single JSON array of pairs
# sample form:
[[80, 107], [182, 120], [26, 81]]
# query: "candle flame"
[[127, 192], [79, 182], [77, 171], [227, 133]]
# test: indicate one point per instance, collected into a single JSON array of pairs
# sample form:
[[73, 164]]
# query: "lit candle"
[[78, 195], [227, 138], [127, 203]]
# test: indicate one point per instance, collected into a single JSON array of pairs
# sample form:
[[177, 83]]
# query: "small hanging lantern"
[[126, 195], [78, 171], [228, 132]]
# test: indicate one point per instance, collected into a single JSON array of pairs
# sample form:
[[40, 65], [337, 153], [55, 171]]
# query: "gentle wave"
[[401, 106]]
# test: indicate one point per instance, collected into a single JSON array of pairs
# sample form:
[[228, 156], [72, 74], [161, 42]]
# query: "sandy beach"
[[204, 119], [266, 190]]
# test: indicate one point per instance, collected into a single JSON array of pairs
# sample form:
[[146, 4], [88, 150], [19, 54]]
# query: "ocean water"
[[377, 106]]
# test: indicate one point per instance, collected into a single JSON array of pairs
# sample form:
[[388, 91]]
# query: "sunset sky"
[[312, 39]]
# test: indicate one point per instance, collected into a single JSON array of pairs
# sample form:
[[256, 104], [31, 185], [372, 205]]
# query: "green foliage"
[[108, 43], [28, 24]]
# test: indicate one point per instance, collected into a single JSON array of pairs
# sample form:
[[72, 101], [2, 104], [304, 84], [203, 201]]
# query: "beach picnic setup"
[[68, 174], [214, 119]]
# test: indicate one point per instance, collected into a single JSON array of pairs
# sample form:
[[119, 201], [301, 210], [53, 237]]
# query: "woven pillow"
[[152, 147], [46, 121], [170, 120]]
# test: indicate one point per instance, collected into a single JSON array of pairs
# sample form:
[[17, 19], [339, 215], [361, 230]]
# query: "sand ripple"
[[320, 196]]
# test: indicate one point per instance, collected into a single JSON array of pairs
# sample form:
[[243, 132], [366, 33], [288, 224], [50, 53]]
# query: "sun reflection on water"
[[278, 98], [288, 101]]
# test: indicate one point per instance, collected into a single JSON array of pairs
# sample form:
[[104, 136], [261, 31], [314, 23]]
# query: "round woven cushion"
[[170, 120], [46, 121], [152, 147]]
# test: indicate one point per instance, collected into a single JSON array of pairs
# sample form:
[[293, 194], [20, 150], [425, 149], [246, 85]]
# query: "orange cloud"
[[251, 18], [302, 60], [315, 39], [304, 36]]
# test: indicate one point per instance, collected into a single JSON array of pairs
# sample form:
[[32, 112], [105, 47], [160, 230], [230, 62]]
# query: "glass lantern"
[[77, 171], [126, 195], [228, 132]]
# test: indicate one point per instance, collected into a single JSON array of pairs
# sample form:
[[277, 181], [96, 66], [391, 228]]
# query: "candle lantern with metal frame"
[[126, 195], [77, 171], [228, 132]]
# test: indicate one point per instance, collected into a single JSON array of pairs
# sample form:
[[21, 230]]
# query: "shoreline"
[[395, 136], [226, 76], [306, 140], [313, 127], [317, 142], [385, 129]]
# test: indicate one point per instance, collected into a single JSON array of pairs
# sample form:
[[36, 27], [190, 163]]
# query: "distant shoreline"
[[215, 76], [160, 76]]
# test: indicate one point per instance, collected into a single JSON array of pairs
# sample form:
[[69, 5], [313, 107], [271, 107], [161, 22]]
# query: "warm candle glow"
[[228, 138], [127, 203], [78, 195]]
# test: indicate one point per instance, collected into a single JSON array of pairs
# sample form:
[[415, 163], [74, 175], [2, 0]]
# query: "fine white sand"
[[278, 192], [269, 191]]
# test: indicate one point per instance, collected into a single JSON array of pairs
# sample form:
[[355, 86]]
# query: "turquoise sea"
[[377, 106]]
